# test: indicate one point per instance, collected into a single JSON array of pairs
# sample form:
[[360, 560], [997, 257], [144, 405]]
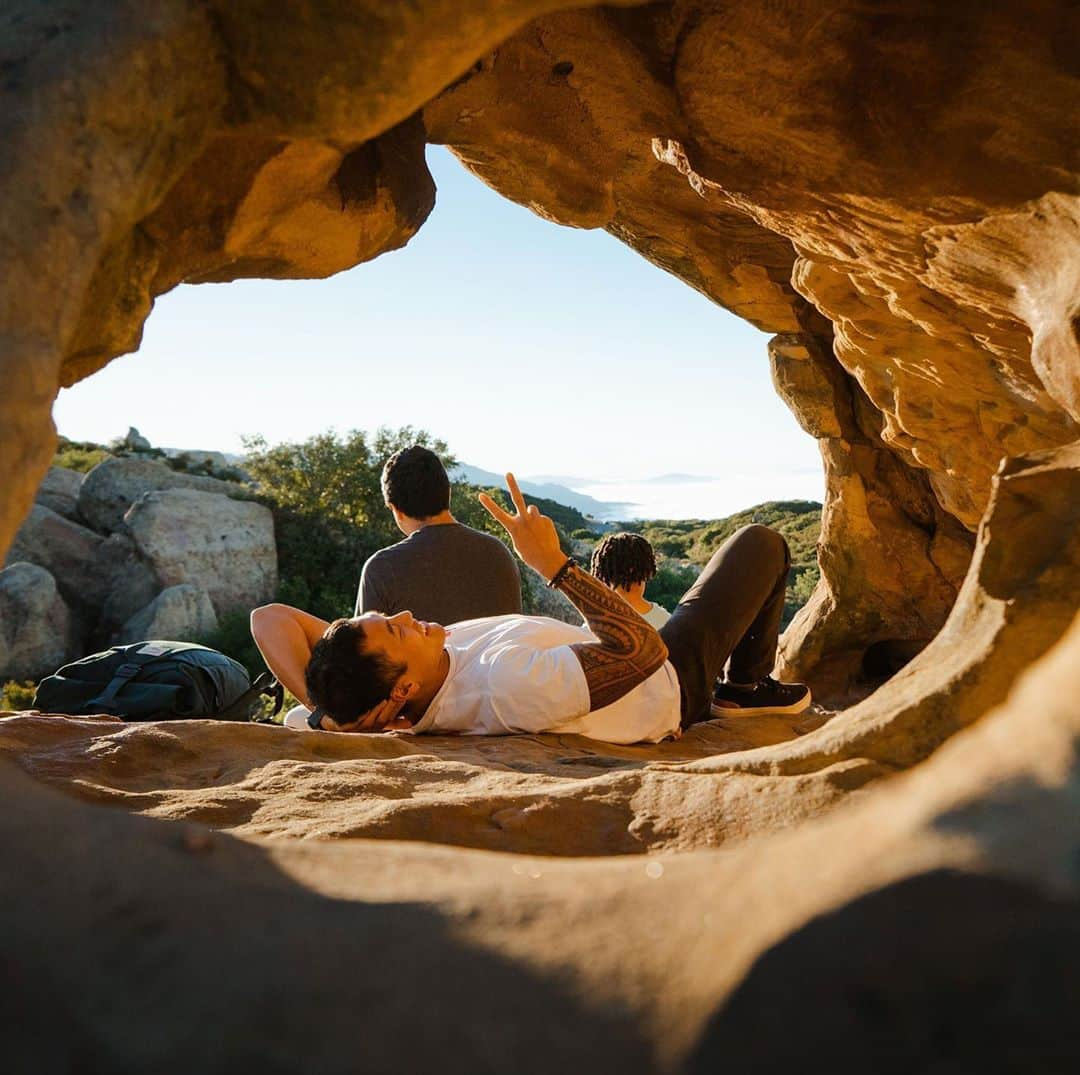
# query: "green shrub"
[[695, 540], [82, 456], [328, 510], [17, 696], [669, 584]]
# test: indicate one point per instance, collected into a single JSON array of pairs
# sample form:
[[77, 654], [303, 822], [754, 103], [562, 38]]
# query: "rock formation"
[[35, 623], [226, 546], [134, 441], [178, 613], [59, 492], [66, 549], [883, 933], [165, 555], [892, 192], [617, 96], [131, 584], [882, 532], [110, 489]]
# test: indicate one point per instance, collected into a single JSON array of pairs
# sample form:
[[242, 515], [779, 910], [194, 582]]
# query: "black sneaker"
[[765, 696]]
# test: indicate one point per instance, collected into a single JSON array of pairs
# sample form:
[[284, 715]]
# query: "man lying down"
[[617, 680]]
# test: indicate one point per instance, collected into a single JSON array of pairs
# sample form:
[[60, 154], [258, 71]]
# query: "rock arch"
[[890, 190], [921, 311]]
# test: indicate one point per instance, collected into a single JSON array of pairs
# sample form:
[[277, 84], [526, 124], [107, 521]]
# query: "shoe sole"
[[761, 711]]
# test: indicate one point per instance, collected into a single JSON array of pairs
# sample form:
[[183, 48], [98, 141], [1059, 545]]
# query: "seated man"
[[627, 564], [618, 680], [442, 570]]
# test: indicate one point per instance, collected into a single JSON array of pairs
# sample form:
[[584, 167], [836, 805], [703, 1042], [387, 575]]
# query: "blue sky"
[[523, 344]]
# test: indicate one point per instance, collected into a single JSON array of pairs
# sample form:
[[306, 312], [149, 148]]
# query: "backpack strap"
[[124, 674], [263, 684]]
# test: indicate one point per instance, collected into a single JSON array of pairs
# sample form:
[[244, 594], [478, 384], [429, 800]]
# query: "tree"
[[328, 509]]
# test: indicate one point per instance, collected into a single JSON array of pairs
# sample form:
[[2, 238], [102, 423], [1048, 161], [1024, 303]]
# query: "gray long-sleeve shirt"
[[445, 573]]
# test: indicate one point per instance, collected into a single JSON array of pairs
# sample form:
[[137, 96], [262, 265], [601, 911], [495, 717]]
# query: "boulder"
[[224, 546], [115, 484], [130, 585], [194, 457], [136, 442], [59, 491], [181, 613], [35, 623], [67, 550]]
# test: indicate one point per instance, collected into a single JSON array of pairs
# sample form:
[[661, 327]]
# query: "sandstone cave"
[[891, 191]]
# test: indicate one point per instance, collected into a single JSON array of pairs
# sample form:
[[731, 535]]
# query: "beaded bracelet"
[[560, 574]]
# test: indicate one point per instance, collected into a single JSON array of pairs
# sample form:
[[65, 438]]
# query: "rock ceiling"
[[891, 190]]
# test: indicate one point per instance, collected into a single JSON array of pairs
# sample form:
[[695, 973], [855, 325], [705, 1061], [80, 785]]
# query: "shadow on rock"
[[946, 972], [137, 945]]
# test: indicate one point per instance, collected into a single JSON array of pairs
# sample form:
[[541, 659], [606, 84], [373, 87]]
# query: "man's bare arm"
[[629, 650], [285, 637]]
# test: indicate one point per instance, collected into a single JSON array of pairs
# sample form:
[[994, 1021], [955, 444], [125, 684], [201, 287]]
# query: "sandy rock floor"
[[541, 794]]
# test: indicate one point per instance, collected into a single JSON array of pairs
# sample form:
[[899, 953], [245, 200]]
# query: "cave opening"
[[557, 352]]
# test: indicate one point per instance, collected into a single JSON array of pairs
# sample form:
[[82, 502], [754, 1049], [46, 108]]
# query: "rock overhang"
[[893, 193]]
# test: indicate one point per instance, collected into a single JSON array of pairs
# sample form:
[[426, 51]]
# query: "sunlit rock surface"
[[110, 488], [224, 546], [958, 880], [875, 182], [891, 192]]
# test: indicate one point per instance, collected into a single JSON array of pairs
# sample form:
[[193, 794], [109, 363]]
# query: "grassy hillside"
[[568, 519], [683, 547]]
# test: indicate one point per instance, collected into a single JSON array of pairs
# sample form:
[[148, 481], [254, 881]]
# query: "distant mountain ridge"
[[587, 505], [659, 479]]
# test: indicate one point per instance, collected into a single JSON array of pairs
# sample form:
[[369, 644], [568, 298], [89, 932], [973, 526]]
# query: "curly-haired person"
[[627, 564]]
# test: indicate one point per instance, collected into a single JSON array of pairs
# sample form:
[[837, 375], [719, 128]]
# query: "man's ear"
[[405, 523], [403, 690]]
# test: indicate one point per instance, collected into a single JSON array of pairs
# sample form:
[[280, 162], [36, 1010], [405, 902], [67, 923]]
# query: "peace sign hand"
[[534, 535], [383, 717]]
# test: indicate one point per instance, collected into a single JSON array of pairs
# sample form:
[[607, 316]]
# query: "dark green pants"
[[732, 613]]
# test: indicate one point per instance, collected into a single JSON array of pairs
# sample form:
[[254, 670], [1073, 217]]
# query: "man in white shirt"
[[611, 680]]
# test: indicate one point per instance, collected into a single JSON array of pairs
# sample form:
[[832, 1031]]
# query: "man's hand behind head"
[[384, 717]]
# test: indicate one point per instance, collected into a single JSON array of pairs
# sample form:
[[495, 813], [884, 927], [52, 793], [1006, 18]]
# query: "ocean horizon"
[[699, 498]]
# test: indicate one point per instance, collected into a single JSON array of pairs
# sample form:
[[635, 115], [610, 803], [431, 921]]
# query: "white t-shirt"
[[657, 616], [518, 674]]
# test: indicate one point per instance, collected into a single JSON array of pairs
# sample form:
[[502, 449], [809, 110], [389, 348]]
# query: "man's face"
[[403, 639]]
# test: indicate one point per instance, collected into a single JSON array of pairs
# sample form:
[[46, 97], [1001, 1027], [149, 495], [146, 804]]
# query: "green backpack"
[[157, 681]]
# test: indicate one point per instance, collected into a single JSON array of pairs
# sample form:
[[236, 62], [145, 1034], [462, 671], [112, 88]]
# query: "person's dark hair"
[[343, 678], [623, 559], [414, 481]]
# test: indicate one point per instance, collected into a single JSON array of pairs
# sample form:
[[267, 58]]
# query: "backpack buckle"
[[103, 703]]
